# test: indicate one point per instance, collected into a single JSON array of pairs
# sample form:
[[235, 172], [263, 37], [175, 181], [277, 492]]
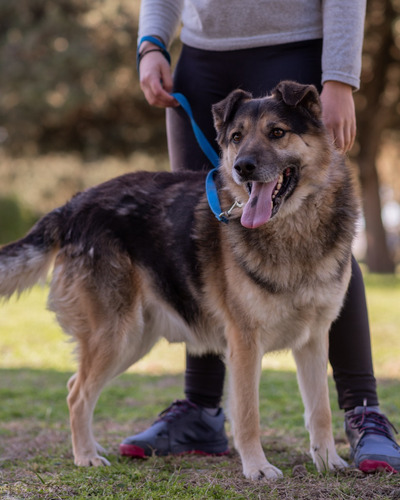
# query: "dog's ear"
[[224, 111], [295, 94]]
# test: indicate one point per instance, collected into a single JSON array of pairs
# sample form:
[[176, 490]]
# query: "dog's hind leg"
[[244, 361], [106, 354], [311, 361], [96, 368], [100, 307]]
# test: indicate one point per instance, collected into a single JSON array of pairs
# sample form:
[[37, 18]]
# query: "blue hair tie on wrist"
[[155, 41]]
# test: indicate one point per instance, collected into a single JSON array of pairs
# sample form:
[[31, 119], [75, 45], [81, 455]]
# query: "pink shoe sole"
[[131, 450], [370, 466]]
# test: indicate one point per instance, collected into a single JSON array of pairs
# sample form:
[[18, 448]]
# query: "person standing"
[[254, 45]]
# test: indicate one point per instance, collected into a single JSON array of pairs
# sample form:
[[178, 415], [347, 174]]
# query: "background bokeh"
[[72, 113]]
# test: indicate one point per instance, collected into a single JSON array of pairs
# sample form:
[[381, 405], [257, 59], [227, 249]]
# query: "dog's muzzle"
[[265, 197]]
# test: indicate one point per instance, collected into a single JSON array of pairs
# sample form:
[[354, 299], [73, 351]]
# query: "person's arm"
[[158, 18], [156, 78], [343, 32], [338, 113]]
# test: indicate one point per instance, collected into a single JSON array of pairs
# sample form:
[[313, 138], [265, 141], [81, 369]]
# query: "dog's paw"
[[337, 463], [329, 460], [264, 472], [94, 461], [100, 449]]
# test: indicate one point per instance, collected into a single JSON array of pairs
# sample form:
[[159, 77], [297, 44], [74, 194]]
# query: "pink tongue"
[[257, 210]]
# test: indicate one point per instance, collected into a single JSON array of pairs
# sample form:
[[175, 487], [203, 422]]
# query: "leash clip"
[[227, 213]]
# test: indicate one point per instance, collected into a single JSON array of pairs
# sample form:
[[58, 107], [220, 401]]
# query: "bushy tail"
[[27, 261]]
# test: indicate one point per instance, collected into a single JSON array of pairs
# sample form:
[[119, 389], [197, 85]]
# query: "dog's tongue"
[[257, 210]]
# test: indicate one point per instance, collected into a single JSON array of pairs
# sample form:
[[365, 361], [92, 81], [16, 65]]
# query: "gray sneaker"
[[182, 428], [373, 445]]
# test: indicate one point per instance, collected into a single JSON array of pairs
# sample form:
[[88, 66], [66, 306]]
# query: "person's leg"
[[206, 78], [373, 445], [350, 348], [204, 380], [204, 376], [195, 424]]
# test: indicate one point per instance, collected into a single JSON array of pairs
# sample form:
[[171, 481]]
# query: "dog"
[[141, 257]]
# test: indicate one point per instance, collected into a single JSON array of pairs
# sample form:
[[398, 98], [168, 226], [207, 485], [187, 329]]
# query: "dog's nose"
[[244, 166]]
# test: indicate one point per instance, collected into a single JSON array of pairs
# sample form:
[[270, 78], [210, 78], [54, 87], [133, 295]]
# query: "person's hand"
[[156, 78], [338, 113]]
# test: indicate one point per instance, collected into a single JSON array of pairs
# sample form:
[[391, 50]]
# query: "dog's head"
[[271, 147]]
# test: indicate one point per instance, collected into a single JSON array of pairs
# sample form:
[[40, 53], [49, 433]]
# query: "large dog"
[[142, 257]]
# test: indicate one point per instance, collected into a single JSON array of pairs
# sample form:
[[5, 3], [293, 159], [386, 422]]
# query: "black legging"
[[206, 77]]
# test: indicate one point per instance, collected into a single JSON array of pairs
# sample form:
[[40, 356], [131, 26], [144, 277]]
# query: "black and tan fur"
[[142, 257]]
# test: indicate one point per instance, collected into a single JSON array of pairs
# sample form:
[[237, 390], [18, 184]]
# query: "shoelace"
[[371, 422], [176, 409]]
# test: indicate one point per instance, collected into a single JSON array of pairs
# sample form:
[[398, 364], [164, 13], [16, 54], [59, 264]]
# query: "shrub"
[[68, 78], [14, 219]]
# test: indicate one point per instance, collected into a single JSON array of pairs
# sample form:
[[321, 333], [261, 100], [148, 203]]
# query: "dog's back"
[[142, 215]]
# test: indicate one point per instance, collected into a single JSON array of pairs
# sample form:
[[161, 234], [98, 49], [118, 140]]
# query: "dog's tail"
[[28, 260]]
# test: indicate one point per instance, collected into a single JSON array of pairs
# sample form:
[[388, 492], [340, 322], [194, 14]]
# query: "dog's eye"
[[236, 137], [277, 133]]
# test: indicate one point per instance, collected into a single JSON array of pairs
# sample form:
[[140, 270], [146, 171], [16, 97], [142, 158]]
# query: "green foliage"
[[68, 77], [14, 219]]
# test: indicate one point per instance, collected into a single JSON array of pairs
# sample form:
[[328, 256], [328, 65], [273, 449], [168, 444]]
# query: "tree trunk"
[[378, 258], [371, 121]]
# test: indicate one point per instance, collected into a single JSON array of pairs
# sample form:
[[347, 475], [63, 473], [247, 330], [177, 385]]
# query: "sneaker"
[[182, 428], [373, 446]]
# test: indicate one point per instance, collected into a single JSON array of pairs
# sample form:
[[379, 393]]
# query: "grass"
[[36, 460]]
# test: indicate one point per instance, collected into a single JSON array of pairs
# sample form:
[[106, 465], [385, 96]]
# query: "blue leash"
[[208, 150]]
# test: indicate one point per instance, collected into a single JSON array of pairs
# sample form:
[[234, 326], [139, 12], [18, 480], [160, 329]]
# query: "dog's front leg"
[[244, 362], [312, 360]]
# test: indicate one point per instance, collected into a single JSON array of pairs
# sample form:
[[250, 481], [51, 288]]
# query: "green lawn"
[[35, 452], [30, 336]]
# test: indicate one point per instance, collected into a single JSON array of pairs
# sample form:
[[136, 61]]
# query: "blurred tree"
[[378, 109], [68, 82], [15, 220], [68, 78]]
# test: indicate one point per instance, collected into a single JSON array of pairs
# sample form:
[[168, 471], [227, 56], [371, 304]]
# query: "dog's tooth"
[[277, 188]]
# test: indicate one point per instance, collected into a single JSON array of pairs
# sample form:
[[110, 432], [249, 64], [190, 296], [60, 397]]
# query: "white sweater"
[[240, 24]]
